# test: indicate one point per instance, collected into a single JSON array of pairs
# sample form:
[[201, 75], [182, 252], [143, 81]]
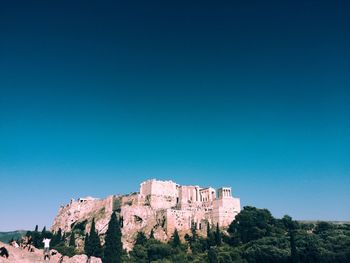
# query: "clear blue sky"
[[96, 97]]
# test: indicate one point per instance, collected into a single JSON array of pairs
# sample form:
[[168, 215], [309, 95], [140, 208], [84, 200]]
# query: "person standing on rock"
[[46, 242]]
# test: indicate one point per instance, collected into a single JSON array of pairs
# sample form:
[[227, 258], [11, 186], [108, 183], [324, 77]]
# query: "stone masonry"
[[159, 205]]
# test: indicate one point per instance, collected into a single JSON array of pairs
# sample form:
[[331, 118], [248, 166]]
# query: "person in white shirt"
[[46, 242]]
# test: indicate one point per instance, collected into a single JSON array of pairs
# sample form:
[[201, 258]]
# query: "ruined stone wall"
[[159, 194], [160, 206], [133, 199], [225, 210], [161, 188], [178, 219], [161, 202], [208, 194], [200, 219], [189, 197]]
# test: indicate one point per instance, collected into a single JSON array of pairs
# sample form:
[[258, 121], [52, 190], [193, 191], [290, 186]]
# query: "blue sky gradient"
[[96, 97]]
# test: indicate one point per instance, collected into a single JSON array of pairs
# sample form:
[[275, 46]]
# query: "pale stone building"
[[188, 206], [160, 206]]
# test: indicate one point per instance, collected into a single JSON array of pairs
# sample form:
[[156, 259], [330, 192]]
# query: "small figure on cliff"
[[46, 242]]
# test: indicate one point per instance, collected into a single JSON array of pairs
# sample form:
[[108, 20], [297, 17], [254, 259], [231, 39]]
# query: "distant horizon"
[[96, 97]]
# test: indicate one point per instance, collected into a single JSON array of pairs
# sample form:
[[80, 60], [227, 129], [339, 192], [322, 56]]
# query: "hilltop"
[[159, 206]]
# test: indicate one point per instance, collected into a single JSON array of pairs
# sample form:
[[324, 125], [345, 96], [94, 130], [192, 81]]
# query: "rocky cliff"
[[136, 216], [160, 206]]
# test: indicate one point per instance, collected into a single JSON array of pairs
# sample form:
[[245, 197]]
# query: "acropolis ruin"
[[161, 206], [188, 206]]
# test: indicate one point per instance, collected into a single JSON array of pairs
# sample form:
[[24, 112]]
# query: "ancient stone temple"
[[160, 206], [188, 206]]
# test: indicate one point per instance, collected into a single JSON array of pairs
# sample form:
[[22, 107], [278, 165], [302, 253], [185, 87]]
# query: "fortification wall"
[[161, 188], [178, 219], [225, 210], [161, 202]]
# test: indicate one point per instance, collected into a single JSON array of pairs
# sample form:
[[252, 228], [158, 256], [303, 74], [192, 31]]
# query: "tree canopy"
[[113, 244]]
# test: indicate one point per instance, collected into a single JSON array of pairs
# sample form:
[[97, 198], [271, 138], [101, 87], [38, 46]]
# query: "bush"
[[66, 251]]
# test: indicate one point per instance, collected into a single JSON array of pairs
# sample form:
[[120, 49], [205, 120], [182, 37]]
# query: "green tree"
[[64, 236], [194, 233], [175, 240], [113, 246], [210, 236], [212, 256], [151, 235], [36, 237], [311, 249], [323, 227], [72, 240], [94, 247], [291, 227], [267, 250], [158, 251], [139, 254], [251, 224], [56, 238], [141, 239], [218, 239], [86, 244]]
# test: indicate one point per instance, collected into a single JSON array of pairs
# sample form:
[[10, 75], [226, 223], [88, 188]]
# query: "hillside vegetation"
[[7, 236], [255, 236]]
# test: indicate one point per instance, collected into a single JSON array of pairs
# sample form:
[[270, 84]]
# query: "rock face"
[[160, 206], [19, 255]]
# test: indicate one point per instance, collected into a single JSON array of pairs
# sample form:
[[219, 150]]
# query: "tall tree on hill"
[[63, 239], [57, 238], [72, 240], [291, 226], [94, 248], [86, 244], [210, 236], [113, 246], [36, 240], [151, 235], [218, 239], [141, 238], [175, 241], [194, 233], [45, 233]]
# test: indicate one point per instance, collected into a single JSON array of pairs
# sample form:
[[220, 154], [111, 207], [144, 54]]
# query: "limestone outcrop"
[[160, 206]]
